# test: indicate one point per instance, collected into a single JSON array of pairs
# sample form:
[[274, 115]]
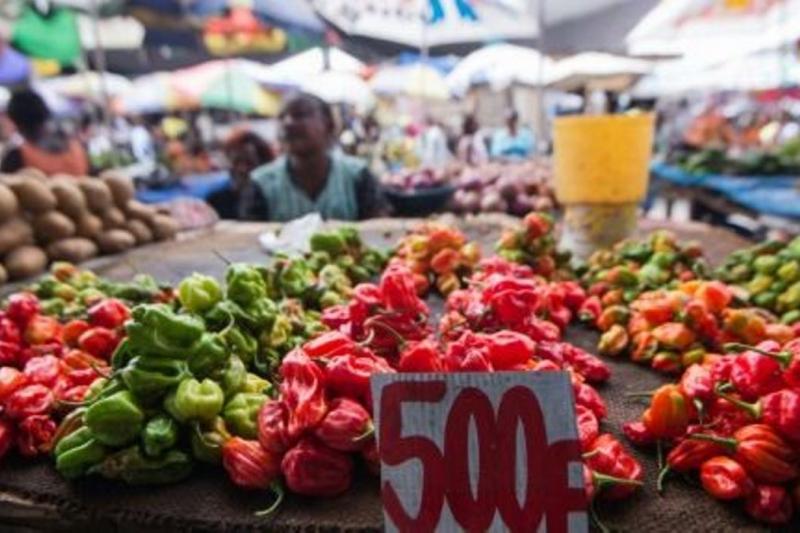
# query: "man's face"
[[304, 129]]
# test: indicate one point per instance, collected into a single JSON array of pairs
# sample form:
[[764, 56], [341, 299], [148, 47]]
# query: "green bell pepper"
[[207, 441], [53, 306], [241, 414], [115, 420], [196, 400], [351, 236], [199, 293], [766, 264], [759, 284], [133, 467], [789, 272], [664, 260], [334, 278], [157, 330], [77, 452], [245, 284], [255, 383], [241, 343], [159, 434], [233, 376], [259, 315], [318, 260], [209, 354], [331, 242], [766, 299], [279, 333], [329, 299], [151, 377], [651, 275], [790, 317]]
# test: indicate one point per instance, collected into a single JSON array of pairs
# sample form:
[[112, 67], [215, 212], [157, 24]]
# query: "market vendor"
[[40, 144], [245, 151], [312, 176], [513, 141]]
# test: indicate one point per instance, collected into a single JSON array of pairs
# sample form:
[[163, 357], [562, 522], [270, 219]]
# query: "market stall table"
[[33, 495]]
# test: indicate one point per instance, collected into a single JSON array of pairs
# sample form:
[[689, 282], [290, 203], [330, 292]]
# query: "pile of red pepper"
[[507, 296], [534, 244], [319, 425], [48, 367], [735, 418], [438, 255], [671, 330]]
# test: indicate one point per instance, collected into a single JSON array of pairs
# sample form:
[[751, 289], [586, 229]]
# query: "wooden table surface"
[[171, 261]]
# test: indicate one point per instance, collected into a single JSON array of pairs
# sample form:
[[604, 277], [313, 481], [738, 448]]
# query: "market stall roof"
[[415, 81], [500, 65], [598, 69], [341, 88], [677, 27], [429, 23], [89, 86], [769, 69], [293, 71], [295, 13], [115, 33], [152, 93]]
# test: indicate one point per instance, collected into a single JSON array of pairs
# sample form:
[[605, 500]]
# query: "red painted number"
[[447, 475]]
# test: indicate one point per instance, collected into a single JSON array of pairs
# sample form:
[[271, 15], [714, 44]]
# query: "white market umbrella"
[[88, 85], [417, 81], [115, 33], [598, 69], [425, 23], [294, 71], [753, 72], [152, 93], [500, 66], [714, 28], [341, 88], [5, 96]]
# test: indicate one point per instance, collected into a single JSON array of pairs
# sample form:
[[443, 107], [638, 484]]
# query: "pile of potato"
[[64, 218]]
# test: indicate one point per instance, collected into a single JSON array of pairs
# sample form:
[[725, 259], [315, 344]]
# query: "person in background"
[[512, 141], [311, 176], [433, 150], [471, 148], [40, 144], [245, 152], [142, 145]]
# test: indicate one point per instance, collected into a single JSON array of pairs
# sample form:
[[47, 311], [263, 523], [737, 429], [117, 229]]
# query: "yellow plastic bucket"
[[602, 159]]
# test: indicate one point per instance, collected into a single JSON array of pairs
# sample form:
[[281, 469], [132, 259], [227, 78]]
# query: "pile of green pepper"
[[66, 291], [189, 374], [769, 273], [337, 261], [635, 266]]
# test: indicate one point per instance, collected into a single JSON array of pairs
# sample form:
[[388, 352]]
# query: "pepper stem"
[[640, 394], [602, 480], [753, 409], [369, 432], [722, 441], [784, 358], [662, 475], [660, 454], [279, 492], [596, 519], [371, 323]]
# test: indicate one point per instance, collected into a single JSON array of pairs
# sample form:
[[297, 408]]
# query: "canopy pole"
[[541, 115], [99, 54]]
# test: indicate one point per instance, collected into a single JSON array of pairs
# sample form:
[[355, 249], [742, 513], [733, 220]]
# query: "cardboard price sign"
[[479, 451]]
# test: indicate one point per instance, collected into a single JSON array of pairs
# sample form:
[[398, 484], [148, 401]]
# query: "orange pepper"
[[674, 335], [669, 413]]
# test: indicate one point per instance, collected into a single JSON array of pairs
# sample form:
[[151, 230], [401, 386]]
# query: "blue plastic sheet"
[[195, 186], [771, 195]]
